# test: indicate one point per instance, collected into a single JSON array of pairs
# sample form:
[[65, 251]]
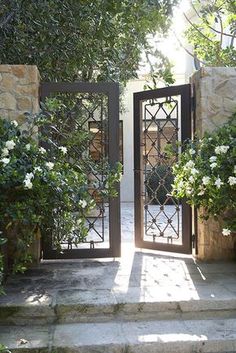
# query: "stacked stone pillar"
[[19, 91], [215, 92]]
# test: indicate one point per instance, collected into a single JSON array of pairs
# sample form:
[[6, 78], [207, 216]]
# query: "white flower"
[[83, 203], [14, 123], [218, 183], [221, 149], [28, 184], [10, 145], [189, 164], [29, 176], [213, 165], [191, 179], [189, 191], [5, 152], [63, 149], [226, 232], [210, 139], [49, 165], [5, 161], [28, 146], [180, 184], [42, 150], [206, 180], [192, 151], [212, 159], [194, 171], [202, 191], [232, 180], [38, 169]]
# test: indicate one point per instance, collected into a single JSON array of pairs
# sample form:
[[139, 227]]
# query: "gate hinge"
[[193, 103]]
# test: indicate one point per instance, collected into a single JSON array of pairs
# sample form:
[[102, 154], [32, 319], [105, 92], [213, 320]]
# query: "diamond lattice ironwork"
[[161, 210]]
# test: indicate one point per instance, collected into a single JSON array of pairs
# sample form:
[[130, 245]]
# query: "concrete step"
[[71, 306], [175, 336]]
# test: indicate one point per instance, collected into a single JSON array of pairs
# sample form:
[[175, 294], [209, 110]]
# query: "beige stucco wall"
[[215, 92], [19, 90]]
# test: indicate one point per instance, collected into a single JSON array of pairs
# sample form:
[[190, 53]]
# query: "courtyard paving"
[[161, 301]]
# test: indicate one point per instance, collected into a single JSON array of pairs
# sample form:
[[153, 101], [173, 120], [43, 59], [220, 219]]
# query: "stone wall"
[[19, 91], [215, 92]]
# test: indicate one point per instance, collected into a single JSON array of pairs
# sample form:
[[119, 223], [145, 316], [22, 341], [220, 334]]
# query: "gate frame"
[[111, 89], [186, 128]]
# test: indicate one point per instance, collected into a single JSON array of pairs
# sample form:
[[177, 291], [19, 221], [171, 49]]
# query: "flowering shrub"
[[206, 175], [42, 188]]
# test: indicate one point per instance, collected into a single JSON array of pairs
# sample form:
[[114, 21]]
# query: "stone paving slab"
[[186, 336], [138, 284]]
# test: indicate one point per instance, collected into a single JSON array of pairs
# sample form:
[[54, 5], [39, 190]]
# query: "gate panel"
[[162, 117], [94, 107]]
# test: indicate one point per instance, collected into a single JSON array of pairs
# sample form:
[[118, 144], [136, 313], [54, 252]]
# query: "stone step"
[[175, 336], [71, 306]]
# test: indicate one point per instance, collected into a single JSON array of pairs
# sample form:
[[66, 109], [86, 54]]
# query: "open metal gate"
[[162, 119], [95, 107]]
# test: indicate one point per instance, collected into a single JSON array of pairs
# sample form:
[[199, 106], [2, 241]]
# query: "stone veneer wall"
[[215, 92], [19, 91]]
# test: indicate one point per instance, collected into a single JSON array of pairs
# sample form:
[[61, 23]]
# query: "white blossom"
[[202, 191], [194, 171], [10, 144], [28, 184], [221, 149], [29, 176], [14, 123], [213, 165], [232, 180], [28, 146], [5, 152], [190, 164], [42, 150], [63, 149], [206, 180], [191, 179], [5, 161], [49, 165], [212, 159], [192, 151], [226, 232], [83, 203], [218, 183], [38, 169], [189, 191]]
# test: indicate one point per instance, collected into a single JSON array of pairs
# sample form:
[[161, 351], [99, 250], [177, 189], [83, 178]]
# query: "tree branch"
[[208, 24], [196, 28], [188, 51]]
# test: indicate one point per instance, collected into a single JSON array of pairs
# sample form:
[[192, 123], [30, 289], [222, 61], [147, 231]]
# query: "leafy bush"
[[43, 189], [158, 184], [206, 175]]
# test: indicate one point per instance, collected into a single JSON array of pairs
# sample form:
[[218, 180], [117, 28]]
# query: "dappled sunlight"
[[171, 337]]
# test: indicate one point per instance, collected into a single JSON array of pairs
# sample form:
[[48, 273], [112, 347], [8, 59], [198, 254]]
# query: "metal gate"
[[162, 117], [96, 106]]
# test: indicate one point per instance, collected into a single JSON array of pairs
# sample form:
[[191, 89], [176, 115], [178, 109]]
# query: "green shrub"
[[158, 184]]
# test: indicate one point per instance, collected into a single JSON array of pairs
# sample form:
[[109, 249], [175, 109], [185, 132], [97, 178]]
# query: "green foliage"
[[206, 174], [78, 39], [44, 190], [213, 34], [159, 182], [3, 349]]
